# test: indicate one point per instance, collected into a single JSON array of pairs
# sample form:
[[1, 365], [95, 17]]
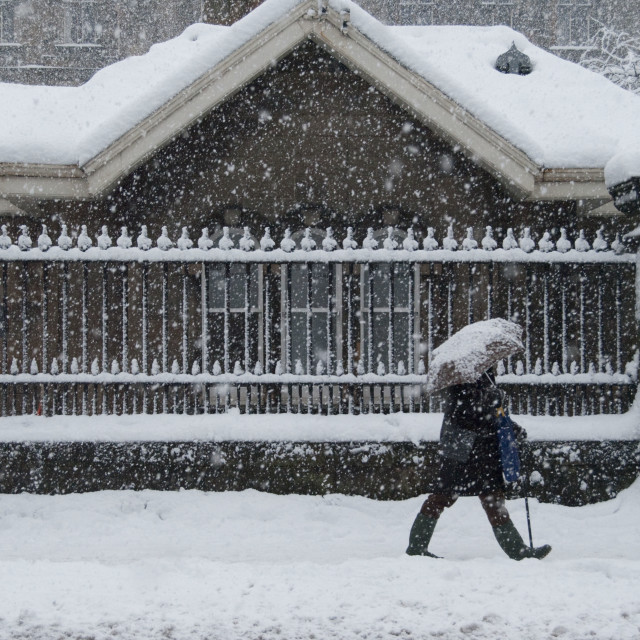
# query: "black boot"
[[511, 542], [420, 536]]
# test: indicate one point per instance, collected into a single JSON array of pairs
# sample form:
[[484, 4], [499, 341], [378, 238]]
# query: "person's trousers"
[[492, 503]]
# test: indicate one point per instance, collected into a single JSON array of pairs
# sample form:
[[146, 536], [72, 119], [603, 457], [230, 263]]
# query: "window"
[[574, 24], [79, 24], [386, 279], [498, 12], [309, 307], [234, 342], [416, 12], [6, 21]]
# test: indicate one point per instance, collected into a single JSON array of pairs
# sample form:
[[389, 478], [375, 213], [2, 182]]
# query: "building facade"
[[121, 305]]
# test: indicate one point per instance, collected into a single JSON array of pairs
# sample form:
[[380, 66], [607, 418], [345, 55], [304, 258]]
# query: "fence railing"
[[120, 329]]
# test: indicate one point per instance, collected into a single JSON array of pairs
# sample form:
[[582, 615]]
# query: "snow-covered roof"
[[560, 116]]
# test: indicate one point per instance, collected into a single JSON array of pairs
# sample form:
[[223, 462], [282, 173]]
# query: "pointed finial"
[[5, 240], [143, 241], [64, 241], [450, 243], [164, 243], [349, 242], [44, 241], [469, 242], [563, 245], [246, 242], [184, 241], [582, 244], [104, 241], [124, 241], [204, 241], [509, 241], [287, 244], [488, 242], [526, 241], [307, 243], [266, 242], [225, 243], [84, 241], [600, 244], [430, 243], [390, 242], [410, 243], [370, 242], [545, 244], [617, 245], [24, 241], [329, 243]]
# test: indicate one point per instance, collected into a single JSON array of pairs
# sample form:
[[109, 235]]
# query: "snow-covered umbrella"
[[468, 353]]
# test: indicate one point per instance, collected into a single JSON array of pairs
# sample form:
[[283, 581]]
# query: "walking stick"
[[526, 505]]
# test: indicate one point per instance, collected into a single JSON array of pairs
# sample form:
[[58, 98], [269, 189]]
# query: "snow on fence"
[[108, 327]]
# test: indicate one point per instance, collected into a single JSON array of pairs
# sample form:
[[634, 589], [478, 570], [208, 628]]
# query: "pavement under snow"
[[194, 565]]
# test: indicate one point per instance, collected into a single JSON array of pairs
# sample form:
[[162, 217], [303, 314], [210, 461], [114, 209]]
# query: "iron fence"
[[117, 328]]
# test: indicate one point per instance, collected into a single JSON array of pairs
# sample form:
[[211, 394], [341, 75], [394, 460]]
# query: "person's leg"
[[425, 523], [505, 531], [495, 508]]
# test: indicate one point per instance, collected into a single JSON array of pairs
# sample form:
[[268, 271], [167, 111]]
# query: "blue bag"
[[508, 447]]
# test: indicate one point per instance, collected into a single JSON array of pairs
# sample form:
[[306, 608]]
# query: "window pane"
[[299, 286], [320, 285], [6, 22], [236, 286], [402, 274], [318, 339]]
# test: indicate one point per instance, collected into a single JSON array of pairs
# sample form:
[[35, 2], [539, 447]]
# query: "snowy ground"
[[398, 427], [197, 565]]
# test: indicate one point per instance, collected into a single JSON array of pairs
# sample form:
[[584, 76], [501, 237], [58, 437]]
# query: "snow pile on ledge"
[[399, 427], [240, 566], [560, 115], [624, 165]]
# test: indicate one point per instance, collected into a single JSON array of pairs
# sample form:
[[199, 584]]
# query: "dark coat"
[[470, 455]]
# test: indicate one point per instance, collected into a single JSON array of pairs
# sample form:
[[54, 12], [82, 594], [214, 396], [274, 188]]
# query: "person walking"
[[470, 465]]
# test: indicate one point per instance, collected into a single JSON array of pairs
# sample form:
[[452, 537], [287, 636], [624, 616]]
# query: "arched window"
[[385, 311], [234, 307], [310, 303]]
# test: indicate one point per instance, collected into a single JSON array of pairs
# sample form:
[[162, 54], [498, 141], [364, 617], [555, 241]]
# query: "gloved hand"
[[494, 397], [520, 433]]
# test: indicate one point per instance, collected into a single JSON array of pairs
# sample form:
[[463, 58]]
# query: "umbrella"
[[468, 353]]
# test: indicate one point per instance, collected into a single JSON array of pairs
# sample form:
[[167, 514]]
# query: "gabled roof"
[[547, 135]]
